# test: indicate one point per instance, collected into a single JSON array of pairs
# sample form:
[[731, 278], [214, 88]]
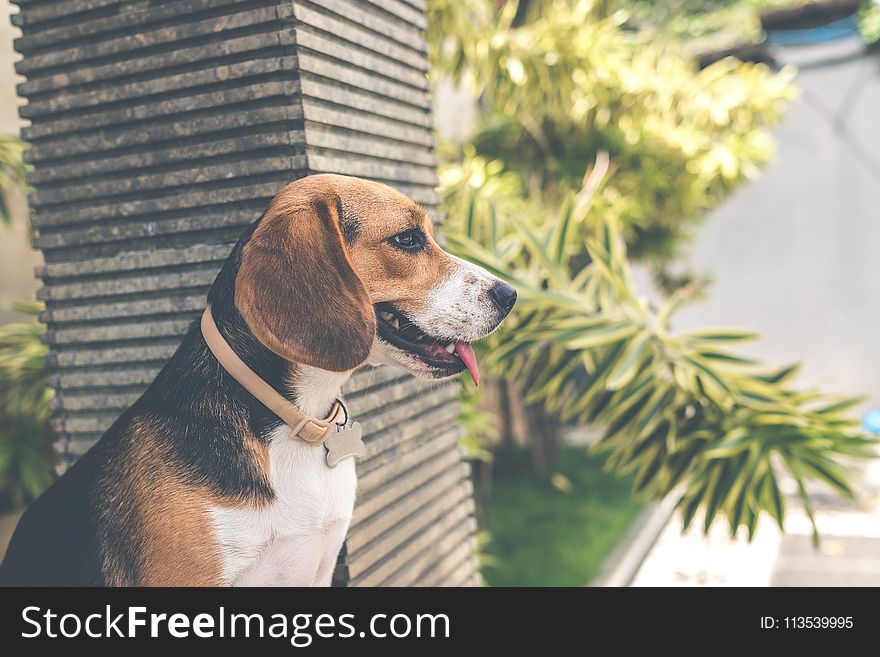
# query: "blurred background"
[[685, 194]]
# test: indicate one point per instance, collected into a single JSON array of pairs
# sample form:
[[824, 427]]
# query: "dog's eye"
[[409, 240]]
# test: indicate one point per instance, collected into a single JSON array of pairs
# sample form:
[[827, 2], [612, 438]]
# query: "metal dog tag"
[[344, 443]]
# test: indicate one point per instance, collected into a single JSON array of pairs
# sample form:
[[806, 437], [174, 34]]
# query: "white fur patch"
[[460, 307], [295, 540]]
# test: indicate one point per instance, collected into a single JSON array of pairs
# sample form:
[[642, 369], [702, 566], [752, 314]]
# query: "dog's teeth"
[[395, 323], [450, 348], [386, 316]]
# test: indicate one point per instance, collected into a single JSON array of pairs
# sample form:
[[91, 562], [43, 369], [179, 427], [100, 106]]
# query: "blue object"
[[839, 29], [871, 421]]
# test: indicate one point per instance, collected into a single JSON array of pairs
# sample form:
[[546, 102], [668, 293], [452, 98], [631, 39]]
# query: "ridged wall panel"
[[158, 130]]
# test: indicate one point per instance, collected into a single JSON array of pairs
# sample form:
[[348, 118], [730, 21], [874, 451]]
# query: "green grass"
[[542, 536]]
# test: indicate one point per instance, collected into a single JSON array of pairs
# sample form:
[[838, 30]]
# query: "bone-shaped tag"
[[344, 444]]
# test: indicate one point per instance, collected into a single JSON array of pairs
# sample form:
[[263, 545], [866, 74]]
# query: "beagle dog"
[[200, 483]]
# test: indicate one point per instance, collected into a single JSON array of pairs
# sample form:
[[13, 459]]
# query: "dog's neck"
[[312, 390], [210, 417]]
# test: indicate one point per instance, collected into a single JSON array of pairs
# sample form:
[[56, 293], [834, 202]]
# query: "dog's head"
[[342, 271]]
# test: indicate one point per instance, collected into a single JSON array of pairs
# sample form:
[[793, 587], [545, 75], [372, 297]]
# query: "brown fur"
[[330, 278], [174, 532], [295, 266]]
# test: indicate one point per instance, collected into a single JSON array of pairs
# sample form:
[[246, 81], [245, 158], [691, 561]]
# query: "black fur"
[[78, 526]]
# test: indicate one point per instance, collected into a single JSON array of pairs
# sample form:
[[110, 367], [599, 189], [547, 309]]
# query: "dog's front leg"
[[286, 561], [333, 538]]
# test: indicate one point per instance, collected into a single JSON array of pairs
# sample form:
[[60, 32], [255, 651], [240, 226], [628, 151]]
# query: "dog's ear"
[[297, 291]]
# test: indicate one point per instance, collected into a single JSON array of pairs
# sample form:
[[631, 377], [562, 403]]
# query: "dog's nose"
[[503, 295]]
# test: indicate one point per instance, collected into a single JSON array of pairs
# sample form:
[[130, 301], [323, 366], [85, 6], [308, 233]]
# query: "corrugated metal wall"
[[160, 129]]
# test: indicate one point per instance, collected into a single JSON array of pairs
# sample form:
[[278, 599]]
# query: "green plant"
[[565, 81], [708, 24], [26, 456], [682, 412], [561, 85], [12, 172], [540, 535], [478, 424], [869, 21]]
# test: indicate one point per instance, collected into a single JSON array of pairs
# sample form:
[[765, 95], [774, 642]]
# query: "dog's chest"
[[309, 498]]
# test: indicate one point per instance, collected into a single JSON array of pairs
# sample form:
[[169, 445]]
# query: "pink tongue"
[[469, 358]]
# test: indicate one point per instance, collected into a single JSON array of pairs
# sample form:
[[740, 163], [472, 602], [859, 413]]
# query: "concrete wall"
[[159, 131]]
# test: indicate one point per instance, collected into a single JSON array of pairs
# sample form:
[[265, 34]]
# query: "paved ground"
[[849, 554], [796, 255]]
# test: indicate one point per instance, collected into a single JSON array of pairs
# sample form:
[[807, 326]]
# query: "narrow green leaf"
[[648, 473], [719, 485], [671, 435], [604, 335], [630, 362], [607, 239], [622, 421], [751, 521], [689, 509], [669, 308], [592, 386], [720, 335], [827, 471], [780, 376], [511, 350], [794, 469], [624, 399], [653, 412], [470, 218], [733, 442], [839, 406], [562, 233], [537, 247], [776, 504], [493, 228], [745, 487], [712, 376], [727, 358]]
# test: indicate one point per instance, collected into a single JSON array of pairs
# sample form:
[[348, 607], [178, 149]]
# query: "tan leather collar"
[[308, 428]]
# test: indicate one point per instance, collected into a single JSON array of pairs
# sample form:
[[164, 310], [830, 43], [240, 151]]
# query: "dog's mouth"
[[446, 357]]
